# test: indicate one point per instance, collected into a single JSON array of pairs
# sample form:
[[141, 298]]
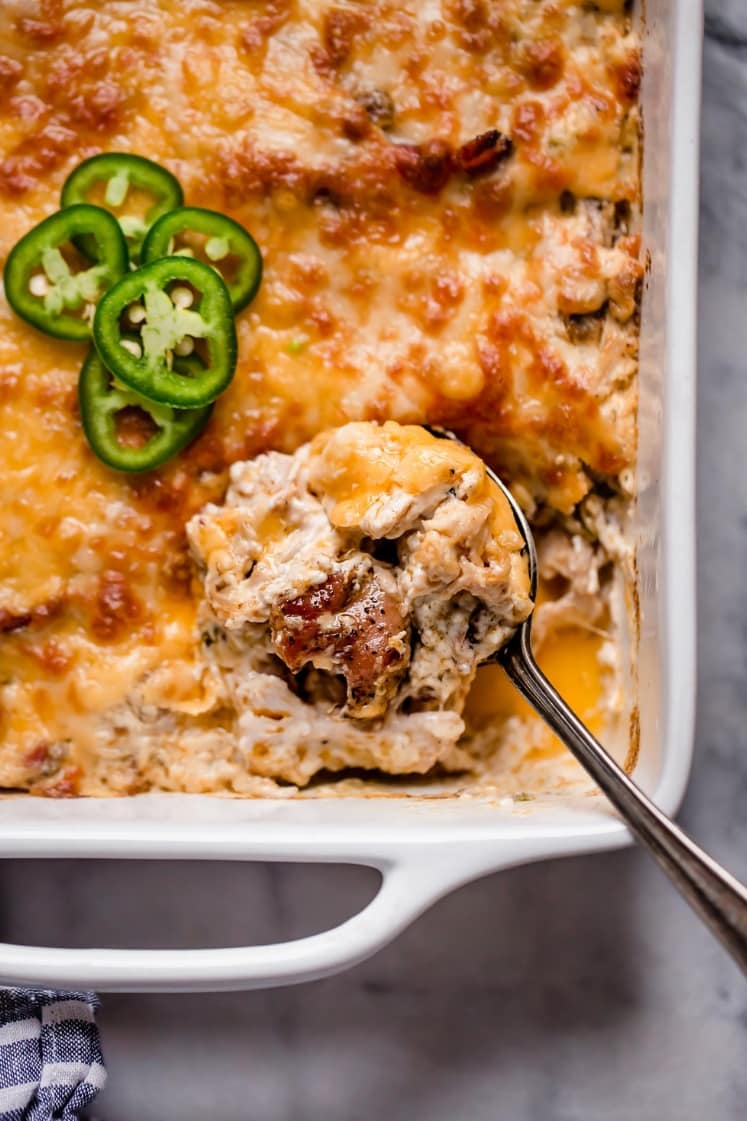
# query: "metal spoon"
[[719, 898]]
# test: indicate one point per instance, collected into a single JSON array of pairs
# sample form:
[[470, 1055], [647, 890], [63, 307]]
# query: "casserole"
[[445, 200], [426, 847]]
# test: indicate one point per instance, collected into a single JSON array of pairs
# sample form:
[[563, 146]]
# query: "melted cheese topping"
[[403, 457], [354, 474], [398, 284]]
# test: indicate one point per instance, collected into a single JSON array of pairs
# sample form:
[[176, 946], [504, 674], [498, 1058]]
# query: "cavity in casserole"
[[445, 199]]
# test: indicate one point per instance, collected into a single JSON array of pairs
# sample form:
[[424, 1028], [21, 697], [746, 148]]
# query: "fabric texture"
[[51, 1065]]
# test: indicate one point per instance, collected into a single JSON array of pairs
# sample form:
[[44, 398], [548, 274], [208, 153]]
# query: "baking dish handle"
[[406, 890]]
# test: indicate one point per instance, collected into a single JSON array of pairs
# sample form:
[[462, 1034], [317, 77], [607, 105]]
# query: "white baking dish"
[[426, 848]]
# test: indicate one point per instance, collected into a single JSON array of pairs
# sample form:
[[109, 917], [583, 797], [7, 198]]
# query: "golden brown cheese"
[[356, 474], [417, 267]]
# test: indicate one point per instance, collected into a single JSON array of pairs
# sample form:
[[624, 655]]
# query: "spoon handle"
[[719, 898]]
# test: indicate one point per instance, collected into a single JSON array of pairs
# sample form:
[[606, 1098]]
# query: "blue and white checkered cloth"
[[51, 1066]]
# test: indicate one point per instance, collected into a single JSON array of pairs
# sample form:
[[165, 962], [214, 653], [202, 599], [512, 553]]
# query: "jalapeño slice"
[[215, 239], [112, 180], [177, 306], [105, 405], [49, 283]]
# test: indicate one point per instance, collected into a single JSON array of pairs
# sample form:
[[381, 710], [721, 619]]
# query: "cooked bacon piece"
[[38, 757], [355, 627], [484, 153], [327, 597], [426, 167], [67, 785]]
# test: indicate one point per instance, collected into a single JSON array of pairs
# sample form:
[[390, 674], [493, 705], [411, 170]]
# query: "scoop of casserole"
[[350, 592]]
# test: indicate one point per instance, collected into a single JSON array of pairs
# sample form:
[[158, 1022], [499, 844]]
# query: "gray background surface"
[[576, 991]]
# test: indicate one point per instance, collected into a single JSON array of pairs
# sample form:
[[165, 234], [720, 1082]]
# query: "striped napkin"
[[51, 1066]]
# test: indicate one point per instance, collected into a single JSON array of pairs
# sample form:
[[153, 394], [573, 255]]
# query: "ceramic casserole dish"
[[426, 847]]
